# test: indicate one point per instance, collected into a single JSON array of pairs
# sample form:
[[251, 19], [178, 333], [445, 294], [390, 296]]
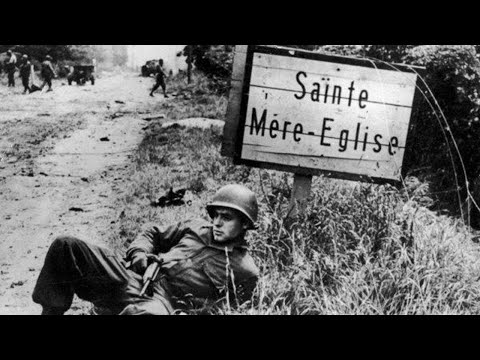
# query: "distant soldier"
[[47, 73], [11, 67], [26, 73], [160, 77]]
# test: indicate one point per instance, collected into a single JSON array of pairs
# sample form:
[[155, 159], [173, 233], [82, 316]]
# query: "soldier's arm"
[[51, 68], [157, 239]]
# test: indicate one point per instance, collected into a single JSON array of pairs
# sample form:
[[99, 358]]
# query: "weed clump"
[[363, 249]]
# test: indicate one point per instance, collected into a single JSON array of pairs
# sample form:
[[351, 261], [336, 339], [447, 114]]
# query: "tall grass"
[[357, 249]]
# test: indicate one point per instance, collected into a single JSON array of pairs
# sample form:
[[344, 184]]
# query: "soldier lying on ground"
[[197, 259]]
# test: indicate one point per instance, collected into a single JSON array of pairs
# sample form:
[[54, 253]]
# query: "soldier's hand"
[[139, 262], [148, 275]]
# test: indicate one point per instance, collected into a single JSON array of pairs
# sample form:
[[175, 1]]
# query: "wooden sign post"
[[310, 114], [302, 185]]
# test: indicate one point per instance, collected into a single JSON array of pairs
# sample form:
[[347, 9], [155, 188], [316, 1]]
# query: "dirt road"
[[63, 157]]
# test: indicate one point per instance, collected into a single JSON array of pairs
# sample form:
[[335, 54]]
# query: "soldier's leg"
[[75, 267], [152, 307], [155, 88], [11, 78], [164, 87], [26, 86], [159, 303]]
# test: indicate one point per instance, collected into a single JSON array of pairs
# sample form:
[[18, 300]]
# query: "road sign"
[[311, 113]]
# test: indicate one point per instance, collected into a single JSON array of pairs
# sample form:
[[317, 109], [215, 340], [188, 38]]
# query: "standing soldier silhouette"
[[26, 73], [11, 67], [160, 77], [47, 73]]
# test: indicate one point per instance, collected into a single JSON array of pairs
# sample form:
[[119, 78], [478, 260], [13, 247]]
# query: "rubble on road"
[[155, 117], [203, 123], [17, 283]]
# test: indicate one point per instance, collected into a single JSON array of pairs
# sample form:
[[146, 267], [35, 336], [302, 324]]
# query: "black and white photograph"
[[239, 180]]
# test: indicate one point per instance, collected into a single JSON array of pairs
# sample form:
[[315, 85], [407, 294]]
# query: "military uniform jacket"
[[197, 266], [47, 69], [26, 69]]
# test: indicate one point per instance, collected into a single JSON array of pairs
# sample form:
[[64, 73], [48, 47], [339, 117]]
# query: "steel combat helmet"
[[236, 197]]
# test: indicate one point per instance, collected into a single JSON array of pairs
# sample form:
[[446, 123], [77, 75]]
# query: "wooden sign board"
[[310, 113]]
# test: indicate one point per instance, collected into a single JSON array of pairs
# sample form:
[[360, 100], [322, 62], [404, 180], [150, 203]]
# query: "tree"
[[215, 61]]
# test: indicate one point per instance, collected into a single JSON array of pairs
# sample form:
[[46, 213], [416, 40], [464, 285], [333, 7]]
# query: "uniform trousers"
[[97, 275]]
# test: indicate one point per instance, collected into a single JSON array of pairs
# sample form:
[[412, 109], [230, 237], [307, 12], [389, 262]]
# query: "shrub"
[[215, 61], [454, 78]]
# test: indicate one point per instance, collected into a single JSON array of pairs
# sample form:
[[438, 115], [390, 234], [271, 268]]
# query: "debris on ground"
[[171, 198], [28, 173], [154, 117], [17, 283], [203, 123], [119, 114]]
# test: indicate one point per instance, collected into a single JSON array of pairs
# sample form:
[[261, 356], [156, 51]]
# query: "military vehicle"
[[149, 68], [81, 74]]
